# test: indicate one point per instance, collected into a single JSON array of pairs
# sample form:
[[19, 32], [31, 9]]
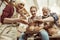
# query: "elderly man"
[[49, 16], [50, 26]]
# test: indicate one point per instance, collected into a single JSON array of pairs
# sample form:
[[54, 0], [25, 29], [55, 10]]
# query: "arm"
[[14, 20], [7, 14], [52, 18], [49, 19], [10, 20]]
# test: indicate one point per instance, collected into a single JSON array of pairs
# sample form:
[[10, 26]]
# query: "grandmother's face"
[[13, 2]]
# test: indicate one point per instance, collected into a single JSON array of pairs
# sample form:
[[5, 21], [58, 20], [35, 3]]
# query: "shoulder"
[[53, 14], [9, 6]]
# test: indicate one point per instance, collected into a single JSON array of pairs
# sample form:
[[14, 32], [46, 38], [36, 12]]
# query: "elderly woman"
[[21, 10], [8, 28]]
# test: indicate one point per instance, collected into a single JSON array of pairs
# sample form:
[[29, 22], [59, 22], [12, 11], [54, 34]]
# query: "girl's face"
[[33, 11]]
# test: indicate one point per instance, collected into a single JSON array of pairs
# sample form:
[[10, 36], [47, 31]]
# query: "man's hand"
[[36, 29], [23, 21], [38, 20]]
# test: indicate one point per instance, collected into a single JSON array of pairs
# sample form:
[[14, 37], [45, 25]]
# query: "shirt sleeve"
[[54, 15], [7, 12]]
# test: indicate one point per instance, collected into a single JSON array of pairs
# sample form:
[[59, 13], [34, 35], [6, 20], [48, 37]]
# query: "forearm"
[[49, 19], [23, 21], [14, 20], [10, 20]]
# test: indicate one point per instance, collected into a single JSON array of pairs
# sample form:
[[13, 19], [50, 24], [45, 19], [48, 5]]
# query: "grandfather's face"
[[45, 11]]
